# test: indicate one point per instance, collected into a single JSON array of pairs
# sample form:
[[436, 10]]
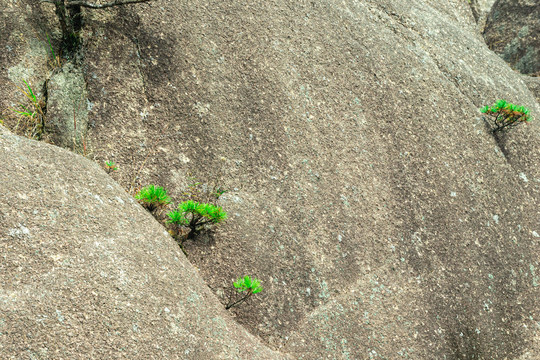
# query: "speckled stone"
[[366, 192], [513, 31]]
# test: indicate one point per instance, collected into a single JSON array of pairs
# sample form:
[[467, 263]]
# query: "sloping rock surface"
[[366, 191], [513, 31], [86, 273]]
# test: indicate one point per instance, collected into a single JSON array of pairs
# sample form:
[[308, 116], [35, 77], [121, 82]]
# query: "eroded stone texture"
[[533, 83], [86, 273], [513, 31], [480, 8], [67, 108], [365, 190]]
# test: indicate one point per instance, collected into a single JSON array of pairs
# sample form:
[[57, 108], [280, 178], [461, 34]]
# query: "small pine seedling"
[[505, 115], [245, 287], [218, 191], [153, 197], [195, 216], [110, 167]]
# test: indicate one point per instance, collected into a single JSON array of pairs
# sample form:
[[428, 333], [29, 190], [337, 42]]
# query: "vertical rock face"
[[513, 31], [480, 8], [67, 108], [366, 192]]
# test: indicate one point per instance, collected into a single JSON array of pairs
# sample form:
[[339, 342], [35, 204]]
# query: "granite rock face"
[[480, 8], [67, 108], [513, 31], [86, 273], [533, 83], [366, 191]]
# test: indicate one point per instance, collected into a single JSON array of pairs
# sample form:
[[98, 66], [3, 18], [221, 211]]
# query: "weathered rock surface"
[[533, 83], [86, 273], [67, 108], [480, 9], [366, 191], [513, 31], [23, 57]]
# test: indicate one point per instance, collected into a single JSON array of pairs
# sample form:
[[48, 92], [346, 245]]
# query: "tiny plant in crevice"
[[503, 116], [110, 167], [244, 288], [56, 60], [153, 197], [194, 216], [30, 116]]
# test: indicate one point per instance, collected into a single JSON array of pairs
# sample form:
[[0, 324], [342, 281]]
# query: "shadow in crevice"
[[500, 139]]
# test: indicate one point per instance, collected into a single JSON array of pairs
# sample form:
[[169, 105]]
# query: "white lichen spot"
[[119, 199], [324, 290], [59, 316], [535, 278], [453, 194], [144, 114], [496, 219], [523, 177], [535, 234], [183, 158], [19, 232], [98, 198], [201, 109]]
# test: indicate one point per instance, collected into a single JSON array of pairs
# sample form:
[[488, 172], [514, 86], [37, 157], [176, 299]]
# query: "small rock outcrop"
[[513, 31]]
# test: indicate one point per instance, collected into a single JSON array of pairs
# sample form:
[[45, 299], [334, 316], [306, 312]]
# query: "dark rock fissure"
[[64, 91]]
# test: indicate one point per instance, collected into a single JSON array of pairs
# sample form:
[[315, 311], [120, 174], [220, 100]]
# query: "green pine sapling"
[[153, 197], [195, 216], [504, 115], [245, 288]]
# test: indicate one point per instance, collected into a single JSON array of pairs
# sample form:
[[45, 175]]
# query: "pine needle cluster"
[[504, 115]]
